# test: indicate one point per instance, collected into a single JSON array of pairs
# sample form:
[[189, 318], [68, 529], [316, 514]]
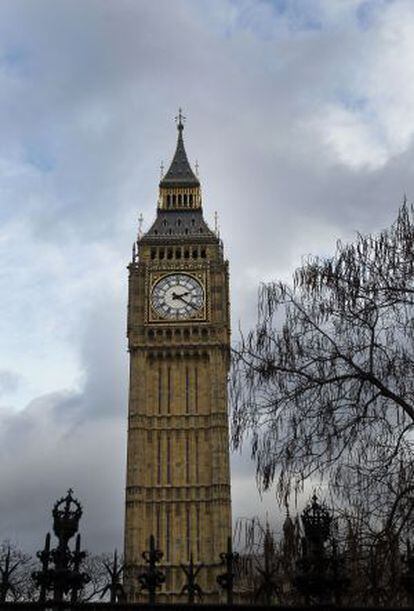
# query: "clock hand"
[[193, 305], [181, 298], [175, 296], [178, 296]]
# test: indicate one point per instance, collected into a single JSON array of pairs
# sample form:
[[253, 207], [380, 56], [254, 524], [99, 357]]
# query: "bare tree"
[[16, 583], [323, 386], [105, 578]]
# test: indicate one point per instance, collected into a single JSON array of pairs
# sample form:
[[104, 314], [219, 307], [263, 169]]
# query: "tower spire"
[[180, 173]]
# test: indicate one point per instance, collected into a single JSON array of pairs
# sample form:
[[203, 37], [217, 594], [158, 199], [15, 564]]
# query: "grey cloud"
[[9, 381], [42, 456], [70, 439]]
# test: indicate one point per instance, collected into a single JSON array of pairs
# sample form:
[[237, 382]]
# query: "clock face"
[[177, 297]]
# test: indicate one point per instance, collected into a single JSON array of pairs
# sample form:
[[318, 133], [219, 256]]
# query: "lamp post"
[[319, 576], [60, 572]]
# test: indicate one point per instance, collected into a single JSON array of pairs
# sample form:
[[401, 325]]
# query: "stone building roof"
[[180, 224]]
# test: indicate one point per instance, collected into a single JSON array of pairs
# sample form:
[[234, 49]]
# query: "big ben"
[[178, 479]]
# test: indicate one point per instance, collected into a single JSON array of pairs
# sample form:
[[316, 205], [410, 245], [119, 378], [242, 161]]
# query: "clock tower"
[[178, 479]]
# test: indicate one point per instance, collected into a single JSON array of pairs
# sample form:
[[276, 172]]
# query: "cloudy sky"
[[301, 115]]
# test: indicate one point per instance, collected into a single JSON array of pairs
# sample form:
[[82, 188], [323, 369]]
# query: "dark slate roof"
[[180, 173], [180, 224]]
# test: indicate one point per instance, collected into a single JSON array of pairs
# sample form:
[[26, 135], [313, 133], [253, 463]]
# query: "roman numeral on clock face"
[[177, 297]]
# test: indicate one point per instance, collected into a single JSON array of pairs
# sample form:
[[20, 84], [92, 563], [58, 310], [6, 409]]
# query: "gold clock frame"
[[154, 277]]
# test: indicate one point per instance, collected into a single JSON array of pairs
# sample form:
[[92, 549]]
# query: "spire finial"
[[140, 224], [180, 119], [197, 167], [162, 170], [216, 224]]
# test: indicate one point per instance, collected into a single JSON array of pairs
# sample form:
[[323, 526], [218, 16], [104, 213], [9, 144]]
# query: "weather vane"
[[180, 119]]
